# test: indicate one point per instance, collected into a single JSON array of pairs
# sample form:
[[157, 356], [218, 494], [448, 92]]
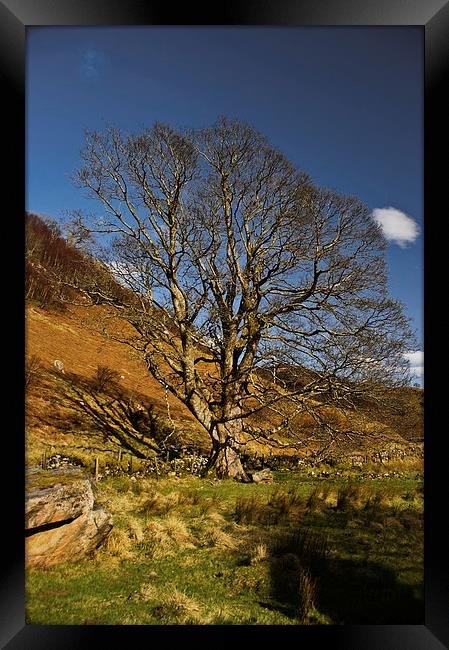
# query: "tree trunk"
[[225, 458]]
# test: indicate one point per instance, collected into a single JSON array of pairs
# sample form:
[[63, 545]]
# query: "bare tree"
[[251, 290], [76, 234]]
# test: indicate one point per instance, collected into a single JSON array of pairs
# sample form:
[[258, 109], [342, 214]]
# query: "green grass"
[[198, 551]]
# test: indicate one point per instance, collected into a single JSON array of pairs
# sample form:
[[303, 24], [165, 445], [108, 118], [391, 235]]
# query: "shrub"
[[33, 370], [104, 379]]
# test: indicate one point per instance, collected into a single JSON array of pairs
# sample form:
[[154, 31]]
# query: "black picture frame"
[[433, 16]]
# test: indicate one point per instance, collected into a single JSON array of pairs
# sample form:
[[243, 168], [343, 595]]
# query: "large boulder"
[[61, 501], [61, 520]]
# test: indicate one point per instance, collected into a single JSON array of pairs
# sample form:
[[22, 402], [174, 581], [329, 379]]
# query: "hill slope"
[[64, 409]]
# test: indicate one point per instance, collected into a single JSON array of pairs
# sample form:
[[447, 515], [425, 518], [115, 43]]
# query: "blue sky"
[[344, 104]]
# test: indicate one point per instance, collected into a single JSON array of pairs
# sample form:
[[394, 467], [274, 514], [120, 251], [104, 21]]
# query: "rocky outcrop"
[[61, 520], [264, 476]]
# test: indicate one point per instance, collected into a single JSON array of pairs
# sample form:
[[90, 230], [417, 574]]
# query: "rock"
[[264, 476], [61, 521], [58, 502], [70, 541]]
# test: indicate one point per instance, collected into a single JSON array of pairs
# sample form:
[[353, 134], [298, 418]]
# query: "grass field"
[[194, 551]]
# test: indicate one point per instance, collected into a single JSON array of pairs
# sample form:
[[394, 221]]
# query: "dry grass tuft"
[[307, 595], [217, 538], [179, 608], [158, 504], [164, 538], [177, 530], [215, 517], [210, 505], [159, 544], [146, 592], [122, 505], [119, 544], [135, 531], [321, 497], [282, 505], [249, 510], [375, 504], [259, 554], [309, 547], [411, 521], [285, 499], [352, 497], [192, 497]]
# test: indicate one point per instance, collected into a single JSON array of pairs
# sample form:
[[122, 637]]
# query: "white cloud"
[[416, 361], [396, 226]]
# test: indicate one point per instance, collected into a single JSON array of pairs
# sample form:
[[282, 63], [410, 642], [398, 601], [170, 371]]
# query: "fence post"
[[97, 462], [44, 460]]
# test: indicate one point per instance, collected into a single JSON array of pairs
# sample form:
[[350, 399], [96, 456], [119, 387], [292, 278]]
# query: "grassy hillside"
[[51, 337], [77, 406]]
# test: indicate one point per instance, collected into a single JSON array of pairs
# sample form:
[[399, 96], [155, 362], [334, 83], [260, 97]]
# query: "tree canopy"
[[251, 290]]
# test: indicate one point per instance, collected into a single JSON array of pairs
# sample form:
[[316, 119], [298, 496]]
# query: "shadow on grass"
[[344, 591], [367, 593]]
